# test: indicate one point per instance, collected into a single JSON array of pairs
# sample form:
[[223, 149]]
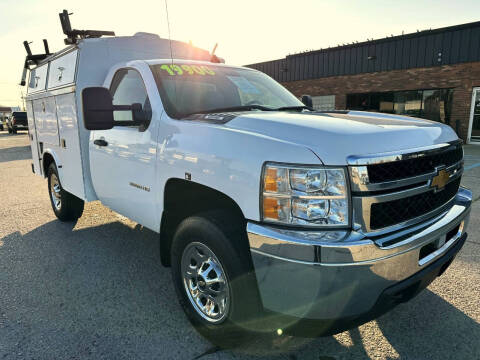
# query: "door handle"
[[100, 142]]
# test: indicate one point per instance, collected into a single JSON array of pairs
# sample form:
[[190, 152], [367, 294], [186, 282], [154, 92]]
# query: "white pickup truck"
[[271, 215]]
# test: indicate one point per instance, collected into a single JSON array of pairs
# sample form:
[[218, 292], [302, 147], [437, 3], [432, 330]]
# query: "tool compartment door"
[[46, 121], [32, 134], [62, 70], [69, 151]]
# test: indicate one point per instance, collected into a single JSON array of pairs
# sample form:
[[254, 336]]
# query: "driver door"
[[122, 159]]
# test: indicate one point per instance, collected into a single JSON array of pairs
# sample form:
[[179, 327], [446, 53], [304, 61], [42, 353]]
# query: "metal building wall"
[[452, 45]]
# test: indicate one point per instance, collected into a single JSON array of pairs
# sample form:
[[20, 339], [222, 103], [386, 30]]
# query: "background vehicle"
[[18, 121], [271, 215], [3, 122]]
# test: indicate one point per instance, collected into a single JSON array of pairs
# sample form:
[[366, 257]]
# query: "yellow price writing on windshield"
[[174, 69]]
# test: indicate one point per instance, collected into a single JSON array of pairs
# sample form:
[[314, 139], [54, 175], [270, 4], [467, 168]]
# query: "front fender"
[[227, 160]]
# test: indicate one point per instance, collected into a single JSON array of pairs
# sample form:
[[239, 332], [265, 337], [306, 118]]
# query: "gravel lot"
[[96, 290]]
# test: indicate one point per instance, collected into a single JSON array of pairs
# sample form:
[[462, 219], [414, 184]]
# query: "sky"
[[246, 31]]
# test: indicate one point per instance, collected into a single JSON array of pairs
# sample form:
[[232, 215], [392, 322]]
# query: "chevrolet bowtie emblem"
[[440, 180]]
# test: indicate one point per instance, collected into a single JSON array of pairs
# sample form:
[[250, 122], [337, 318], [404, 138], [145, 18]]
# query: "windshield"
[[192, 88]]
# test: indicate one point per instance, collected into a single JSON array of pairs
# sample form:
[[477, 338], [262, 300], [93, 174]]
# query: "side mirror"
[[138, 114], [307, 101], [140, 117], [97, 108]]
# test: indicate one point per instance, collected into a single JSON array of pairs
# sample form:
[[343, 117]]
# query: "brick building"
[[432, 74]]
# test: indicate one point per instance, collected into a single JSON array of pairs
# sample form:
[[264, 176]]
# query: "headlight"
[[304, 196]]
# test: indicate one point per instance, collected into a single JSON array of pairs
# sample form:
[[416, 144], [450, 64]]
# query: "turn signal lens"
[[276, 180], [276, 209], [271, 180], [270, 208]]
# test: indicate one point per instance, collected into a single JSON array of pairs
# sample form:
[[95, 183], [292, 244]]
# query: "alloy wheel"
[[55, 192], [205, 282]]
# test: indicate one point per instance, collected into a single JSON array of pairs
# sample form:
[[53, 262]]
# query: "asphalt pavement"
[[96, 289]]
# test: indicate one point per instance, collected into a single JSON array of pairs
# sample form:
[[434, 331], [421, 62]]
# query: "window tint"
[[128, 88], [408, 103], [190, 88], [201, 95], [434, 104], [257, 93], [476, 118]]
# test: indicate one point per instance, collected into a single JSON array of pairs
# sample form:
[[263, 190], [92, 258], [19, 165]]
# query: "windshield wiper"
[[299, 108], [232, 108]]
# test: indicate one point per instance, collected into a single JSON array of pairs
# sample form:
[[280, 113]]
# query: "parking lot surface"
[[96, 289]]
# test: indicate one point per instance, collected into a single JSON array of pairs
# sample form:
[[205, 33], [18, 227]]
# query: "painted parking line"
[[470, 167]]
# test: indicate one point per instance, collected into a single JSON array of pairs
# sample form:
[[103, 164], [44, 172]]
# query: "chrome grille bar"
[[360, 183], [370, 159]]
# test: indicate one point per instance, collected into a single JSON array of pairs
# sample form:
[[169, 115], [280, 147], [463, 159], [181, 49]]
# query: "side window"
[[128, 88]]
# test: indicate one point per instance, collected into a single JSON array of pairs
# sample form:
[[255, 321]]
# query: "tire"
[[218, 234], [66, 206]]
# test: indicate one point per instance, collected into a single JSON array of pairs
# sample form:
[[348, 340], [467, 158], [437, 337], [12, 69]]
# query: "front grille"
[[397, 211], [397, 170]]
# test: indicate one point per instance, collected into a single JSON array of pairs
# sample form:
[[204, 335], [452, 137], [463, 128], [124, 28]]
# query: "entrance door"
[[474, 131], [122, 160]]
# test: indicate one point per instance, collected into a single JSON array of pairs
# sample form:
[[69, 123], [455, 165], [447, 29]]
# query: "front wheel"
[[214, 280], [66, 206]]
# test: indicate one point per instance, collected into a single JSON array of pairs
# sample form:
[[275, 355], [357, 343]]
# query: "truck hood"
[[335, 136]]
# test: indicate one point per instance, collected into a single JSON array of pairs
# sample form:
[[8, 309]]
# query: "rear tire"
[[218, 242], [66, 206]]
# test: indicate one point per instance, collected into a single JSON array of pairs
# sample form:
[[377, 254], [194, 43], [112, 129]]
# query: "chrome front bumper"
[[303, 275]]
